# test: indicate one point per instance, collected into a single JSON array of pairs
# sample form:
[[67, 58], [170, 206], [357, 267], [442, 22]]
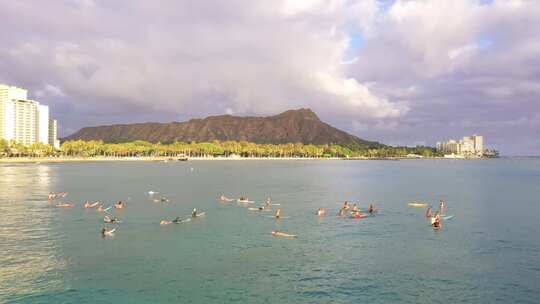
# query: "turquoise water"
[[488, 253]]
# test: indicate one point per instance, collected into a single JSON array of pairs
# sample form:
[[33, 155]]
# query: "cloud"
[[402, 70]]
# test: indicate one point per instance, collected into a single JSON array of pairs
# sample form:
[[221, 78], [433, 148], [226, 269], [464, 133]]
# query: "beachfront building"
[[24, 120], [469, 146], [53, 134]]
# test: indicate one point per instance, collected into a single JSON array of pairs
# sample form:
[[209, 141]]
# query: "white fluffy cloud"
[[250, 57]]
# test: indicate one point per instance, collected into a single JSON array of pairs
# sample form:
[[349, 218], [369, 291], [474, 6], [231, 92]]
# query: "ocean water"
[[488, 253]]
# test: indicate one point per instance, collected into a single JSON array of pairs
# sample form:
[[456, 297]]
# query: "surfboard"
[[417, 205]]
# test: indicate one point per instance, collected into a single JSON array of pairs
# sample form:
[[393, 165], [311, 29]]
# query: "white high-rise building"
[[469, 146], [7, 95], [43, 124], [24, 120], [53, 133], [478, 143]]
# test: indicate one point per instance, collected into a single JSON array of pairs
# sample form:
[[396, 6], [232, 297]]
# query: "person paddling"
[[321, 212], [436, 223]]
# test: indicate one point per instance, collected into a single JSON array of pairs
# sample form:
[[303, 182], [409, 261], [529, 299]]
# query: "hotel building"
[[23, 120], [469, 146]]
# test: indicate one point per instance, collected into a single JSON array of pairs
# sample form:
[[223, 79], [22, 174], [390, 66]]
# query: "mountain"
[[292, 126]]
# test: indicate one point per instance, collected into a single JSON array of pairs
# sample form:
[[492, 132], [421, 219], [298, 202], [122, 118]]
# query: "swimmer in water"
[[346, 205], [341, 212], [278, 214], [321, 212], [119, 205], [282, 234], [355, 208], [371, 208]]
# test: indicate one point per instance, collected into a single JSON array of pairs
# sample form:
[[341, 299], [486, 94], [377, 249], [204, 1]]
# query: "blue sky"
[[400, 72]]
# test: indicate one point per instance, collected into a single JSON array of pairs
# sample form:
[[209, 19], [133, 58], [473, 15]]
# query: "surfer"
[[436, 222], [88, 204], [113, 220], [277, 233], [441, 207], [105, 232], [429, 212], [178, 220]]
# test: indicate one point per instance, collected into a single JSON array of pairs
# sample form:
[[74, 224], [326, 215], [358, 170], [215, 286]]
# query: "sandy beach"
[[174, 159], [162, 159]]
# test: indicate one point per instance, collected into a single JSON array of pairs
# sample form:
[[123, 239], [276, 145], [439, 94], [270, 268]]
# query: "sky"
[[399, 72]]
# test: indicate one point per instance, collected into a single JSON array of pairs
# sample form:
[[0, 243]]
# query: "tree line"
[[139, 148]]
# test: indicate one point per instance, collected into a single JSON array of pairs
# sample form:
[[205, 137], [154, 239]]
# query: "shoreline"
[[23, 160]]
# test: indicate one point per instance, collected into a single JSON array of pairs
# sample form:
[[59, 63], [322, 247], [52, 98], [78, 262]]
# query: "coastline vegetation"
[[139, 148]]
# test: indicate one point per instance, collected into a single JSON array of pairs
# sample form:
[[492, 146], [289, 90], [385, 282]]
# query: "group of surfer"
[[89, 205], [355, 211], [267, 206], [53, 196], [435, 220], [153, 196]]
